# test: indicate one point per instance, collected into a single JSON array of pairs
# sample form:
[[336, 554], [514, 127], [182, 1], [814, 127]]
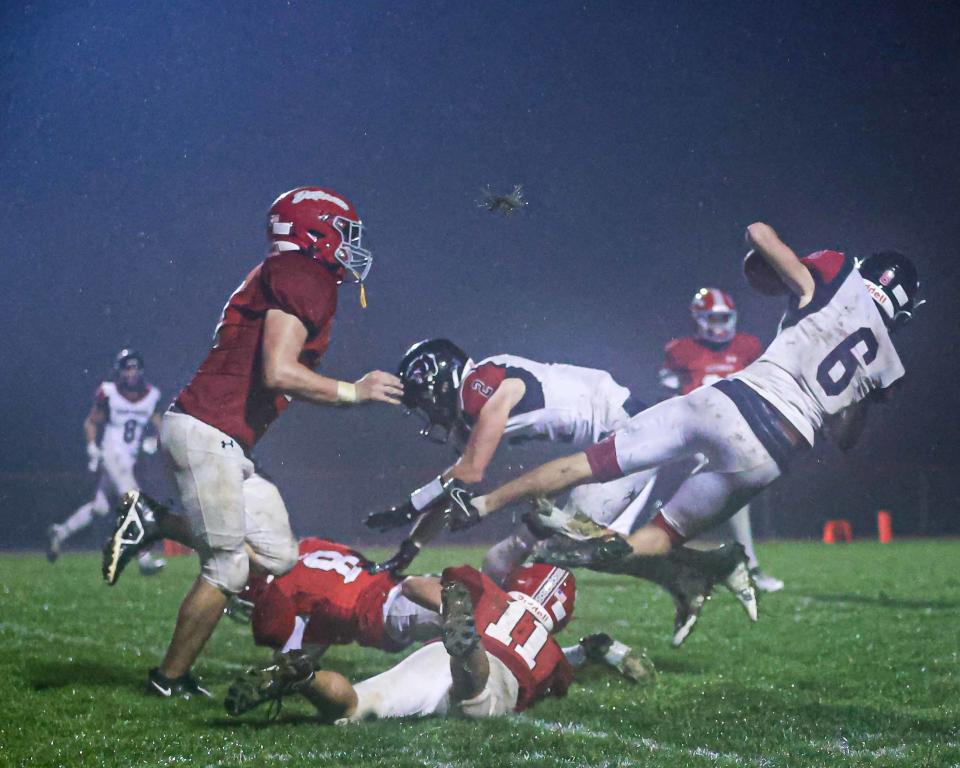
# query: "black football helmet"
[[892, 281], [431, 372]]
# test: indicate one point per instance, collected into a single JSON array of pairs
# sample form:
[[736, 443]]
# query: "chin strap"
[[363, 290]]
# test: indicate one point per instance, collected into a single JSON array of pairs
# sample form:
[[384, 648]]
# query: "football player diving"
[[478, 404], [832, 359]]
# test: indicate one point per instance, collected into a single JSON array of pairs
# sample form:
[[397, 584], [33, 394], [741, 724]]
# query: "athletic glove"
[[461, 513], [94, 456], [395, 517], [403, 557]]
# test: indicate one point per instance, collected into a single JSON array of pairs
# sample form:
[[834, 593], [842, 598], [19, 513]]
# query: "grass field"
[[855, 663]]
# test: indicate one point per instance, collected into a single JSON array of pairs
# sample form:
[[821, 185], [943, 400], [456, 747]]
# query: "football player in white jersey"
[[832, 358], [122, 409], [478, 405]]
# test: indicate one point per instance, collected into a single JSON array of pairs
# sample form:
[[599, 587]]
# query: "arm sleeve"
[[479, 387]]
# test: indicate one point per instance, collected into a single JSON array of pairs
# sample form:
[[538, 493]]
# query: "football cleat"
[[186, 686], [591, 553], [738, 581], [291, 673], [459, 628], [726, 564], [764, 582], [135, 528], [546, 518], [53, 543], [635, 666], [688, 611]]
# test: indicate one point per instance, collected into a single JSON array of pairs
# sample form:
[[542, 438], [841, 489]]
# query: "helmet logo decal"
[[886, 277], [319, 194]]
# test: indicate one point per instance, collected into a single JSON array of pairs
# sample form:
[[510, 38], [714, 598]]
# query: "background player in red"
[[116, 431], [497, 656], [716, 350], [272, 333]]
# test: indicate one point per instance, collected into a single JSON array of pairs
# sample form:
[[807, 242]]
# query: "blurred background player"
[[478, 405], [272, 334], [715, 351], [123, 409]]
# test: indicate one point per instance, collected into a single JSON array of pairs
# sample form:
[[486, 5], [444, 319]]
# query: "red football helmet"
[[321, 223], [547, 592], [714, 313]]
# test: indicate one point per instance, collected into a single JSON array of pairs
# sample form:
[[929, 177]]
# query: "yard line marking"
[[35, 633]]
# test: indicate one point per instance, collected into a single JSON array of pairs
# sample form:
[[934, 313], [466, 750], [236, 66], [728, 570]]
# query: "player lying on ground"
[[330, 598], [831, 359], [497, 656], [123, 408], [479, 404], [272, 333], [715, 351]]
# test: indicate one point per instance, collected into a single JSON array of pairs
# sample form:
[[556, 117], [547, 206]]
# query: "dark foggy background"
[[141, 144]]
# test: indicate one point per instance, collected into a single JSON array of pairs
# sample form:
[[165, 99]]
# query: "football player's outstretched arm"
[[283, 338], [422, 590], [546, 480], [487, 432], [764, 240]]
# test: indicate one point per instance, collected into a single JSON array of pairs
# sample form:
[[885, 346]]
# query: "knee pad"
[[226, 569]]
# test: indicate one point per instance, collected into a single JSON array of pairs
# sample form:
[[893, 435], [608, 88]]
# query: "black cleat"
[[185, 687], [292, 672], [135, 528], [596, 553], [459, 628]]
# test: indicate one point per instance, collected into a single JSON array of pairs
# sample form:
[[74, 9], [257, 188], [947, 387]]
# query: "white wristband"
[[346, 392], [425, 496], [616, 653]]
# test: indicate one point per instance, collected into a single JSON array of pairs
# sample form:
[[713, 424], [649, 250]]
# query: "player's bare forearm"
[[765, 241], [422, 590], [546, 480], [89, 430], [486, 433], [283, 338]]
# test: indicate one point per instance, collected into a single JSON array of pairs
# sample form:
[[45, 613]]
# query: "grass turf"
[[855, 663]]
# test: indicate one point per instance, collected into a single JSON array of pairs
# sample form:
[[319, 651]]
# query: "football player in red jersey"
[[833, 357], [272, 333], [715, 351], [497, 656], [330, 598]]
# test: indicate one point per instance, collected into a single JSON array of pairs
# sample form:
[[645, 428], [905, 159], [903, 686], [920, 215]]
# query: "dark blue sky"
[[141, 143]]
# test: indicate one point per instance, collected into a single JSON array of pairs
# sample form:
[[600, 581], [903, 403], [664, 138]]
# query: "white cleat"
[[738, 581], [764, 582], [576, 525]]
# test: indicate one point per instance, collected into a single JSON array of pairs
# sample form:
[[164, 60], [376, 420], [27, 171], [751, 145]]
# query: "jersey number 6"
[[837, 368]]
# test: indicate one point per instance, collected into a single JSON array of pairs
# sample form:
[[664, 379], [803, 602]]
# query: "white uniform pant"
[[420, 685], [707, 422], [227, 502]]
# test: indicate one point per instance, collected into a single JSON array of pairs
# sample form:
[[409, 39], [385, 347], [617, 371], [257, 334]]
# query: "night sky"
[[142, 143]]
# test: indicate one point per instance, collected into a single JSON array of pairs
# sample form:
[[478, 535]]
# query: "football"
[[761, 276]]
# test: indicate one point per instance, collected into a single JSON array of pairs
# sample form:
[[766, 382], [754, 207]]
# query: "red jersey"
[[329, 586], [227, 391], [696, 362], [512, 633]]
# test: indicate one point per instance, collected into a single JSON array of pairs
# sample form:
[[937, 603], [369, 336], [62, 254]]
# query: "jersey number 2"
[[503, 629], [837, 369]]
